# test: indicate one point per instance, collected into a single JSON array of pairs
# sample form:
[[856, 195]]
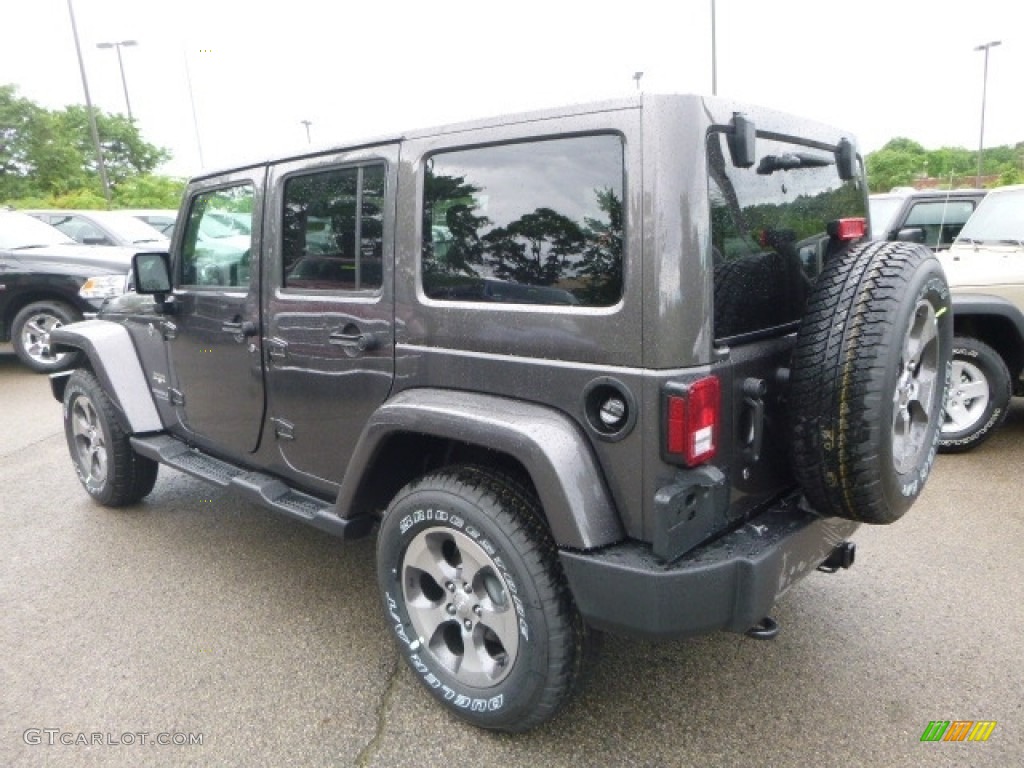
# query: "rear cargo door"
[[770, 233]]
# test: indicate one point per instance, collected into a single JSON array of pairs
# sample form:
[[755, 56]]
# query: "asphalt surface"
[[195, 615]]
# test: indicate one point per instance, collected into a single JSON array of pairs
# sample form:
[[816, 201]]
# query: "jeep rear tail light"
[[848, 229], [693, 416]]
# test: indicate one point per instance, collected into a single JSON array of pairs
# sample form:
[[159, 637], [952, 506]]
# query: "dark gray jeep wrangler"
[[624, 367]]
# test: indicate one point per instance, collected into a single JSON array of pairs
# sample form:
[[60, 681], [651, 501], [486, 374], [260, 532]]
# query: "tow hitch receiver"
[[841, 557], [766, 629]]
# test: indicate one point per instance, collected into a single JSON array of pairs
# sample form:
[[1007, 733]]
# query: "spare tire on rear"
[[868, 380]]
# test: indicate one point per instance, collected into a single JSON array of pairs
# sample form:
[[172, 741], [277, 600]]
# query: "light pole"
[[714, 53], [638, 76], [984, 88], [307, 123], [124, 83], [192, 101], [88, 107]]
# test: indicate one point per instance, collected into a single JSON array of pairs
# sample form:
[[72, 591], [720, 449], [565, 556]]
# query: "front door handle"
[[241, 328]]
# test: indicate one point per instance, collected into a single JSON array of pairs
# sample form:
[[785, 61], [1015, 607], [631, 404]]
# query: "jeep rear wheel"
[[110, 470], [979, 396], [476, 597], [868, 382]]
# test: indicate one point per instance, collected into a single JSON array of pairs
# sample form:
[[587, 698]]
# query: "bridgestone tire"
[[979, 396], [868, 381], [30, 335], [474, 593], [108, 468]]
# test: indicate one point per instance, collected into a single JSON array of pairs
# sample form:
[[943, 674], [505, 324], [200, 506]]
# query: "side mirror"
[[911, 235], [151, 275]]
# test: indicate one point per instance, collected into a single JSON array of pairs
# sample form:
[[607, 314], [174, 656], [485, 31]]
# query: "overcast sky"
[[879, 68]]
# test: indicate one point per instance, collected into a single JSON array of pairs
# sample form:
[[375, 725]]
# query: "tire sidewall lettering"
[[413, 520]]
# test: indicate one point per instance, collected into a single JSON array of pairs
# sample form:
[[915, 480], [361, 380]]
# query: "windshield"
[[999, 218], [882, 210], [129, 228], [19, 230]]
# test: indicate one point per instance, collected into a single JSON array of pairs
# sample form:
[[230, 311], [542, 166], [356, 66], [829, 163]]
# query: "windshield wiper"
[[771, 163], [1011, 241]]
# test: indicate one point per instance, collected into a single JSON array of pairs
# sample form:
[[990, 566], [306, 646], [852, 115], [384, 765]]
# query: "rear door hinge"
[[283, 429], [277, 349], [176, 397]]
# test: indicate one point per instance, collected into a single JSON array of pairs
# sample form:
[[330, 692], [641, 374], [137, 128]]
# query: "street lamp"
[[124, 83], [307, 123], [88, 106], [714, 53], [637, 76], [984, 88]]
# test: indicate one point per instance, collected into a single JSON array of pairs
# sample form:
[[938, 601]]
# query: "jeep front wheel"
[[869, 378], [979, 396], [475, 595], [111, 472]]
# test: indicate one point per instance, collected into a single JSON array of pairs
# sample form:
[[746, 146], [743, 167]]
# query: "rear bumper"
[[730, 584]]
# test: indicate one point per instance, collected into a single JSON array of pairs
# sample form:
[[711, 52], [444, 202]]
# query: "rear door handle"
[[356, 341]]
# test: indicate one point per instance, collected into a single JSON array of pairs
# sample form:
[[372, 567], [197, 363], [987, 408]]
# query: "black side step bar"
[[257, 487]]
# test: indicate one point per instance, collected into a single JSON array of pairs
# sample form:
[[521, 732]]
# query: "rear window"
[[769, 232]]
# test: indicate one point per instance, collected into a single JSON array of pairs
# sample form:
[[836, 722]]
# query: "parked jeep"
[[625, 367], [985, 268]]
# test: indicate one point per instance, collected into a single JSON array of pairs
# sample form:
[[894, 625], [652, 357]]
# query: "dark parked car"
[[930, 217], [48, 280], [104, 228]]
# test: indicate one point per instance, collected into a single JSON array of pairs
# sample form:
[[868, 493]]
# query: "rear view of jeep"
[[628, 367]]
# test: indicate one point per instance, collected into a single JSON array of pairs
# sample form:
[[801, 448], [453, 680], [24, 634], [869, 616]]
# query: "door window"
[[214, 254], [940, 220], [333, 230]]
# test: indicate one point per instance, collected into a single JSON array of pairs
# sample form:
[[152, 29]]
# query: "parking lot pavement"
[[195, 615]]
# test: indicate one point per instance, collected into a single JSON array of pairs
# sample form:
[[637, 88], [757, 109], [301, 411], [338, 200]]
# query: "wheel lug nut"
[[468, 625], [477, 610], [468, 587], [450, 586], [450, 608]]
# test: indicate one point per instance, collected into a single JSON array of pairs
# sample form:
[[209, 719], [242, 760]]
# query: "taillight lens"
[[693, 422], [848, 229]]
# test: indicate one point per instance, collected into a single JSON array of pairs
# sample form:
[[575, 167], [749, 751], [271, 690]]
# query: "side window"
[[332, 235], [214, 254], [530, 223], [940, 220]]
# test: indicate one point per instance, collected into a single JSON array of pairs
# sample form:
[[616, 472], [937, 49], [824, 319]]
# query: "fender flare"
[[109, 347], [551, 447], [986, 308]]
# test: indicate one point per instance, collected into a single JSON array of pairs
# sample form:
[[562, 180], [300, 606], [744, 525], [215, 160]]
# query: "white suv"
[[985, 270]]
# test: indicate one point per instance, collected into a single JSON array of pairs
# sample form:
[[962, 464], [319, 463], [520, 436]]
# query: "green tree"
[[49, 153], [896, 164]]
